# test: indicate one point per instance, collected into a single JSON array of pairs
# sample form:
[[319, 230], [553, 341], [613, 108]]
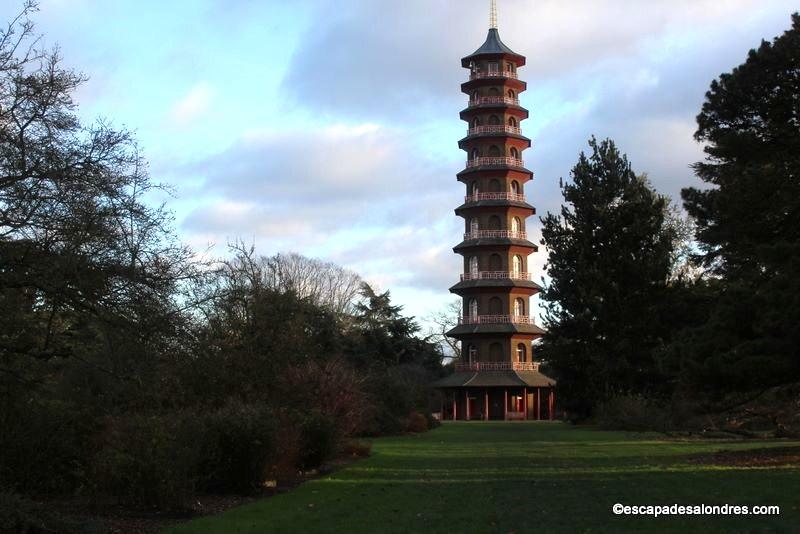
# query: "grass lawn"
[[523, 477]]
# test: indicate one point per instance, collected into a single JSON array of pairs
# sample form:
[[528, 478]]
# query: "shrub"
[[149, 460], [238, 444], [357, 449], [44, 446], [417, 423], [319, 439]]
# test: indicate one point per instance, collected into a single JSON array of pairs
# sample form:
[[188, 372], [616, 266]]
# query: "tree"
[[608, 266], [748, 225], [81, 252]]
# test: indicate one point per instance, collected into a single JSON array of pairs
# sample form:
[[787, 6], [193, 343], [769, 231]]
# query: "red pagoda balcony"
[[496, 234], [496, 275], [494, 100], [497, 319], [497, 366], [478, 162], [477, 197], [493, 74], [494, 129]]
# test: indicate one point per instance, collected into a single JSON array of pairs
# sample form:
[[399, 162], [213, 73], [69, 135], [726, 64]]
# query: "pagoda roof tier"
[[518, 111], [493, 47], [525, 142], [463, 330], [467, 206], [527, 286], [493, 170], [494, 242], [488, 379], [521, 175], [492, 81]]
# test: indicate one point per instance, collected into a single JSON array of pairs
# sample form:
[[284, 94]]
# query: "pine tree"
[[748, 225], [608, 265]]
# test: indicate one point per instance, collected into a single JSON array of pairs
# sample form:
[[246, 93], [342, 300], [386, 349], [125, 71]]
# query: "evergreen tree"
[[748, 225], [608, 264]]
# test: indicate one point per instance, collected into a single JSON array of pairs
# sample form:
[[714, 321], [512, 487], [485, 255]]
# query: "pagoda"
[[496, 377]]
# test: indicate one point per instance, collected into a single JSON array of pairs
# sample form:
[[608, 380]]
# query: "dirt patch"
[[762, 457]]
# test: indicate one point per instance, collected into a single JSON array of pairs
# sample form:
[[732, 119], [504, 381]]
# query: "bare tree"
[[442, 321]]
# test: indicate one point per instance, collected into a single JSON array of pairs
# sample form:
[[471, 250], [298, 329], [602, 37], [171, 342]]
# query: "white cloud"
[[195, 103]]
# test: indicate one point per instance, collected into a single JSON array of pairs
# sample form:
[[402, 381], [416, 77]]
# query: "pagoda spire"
[[493, 16]]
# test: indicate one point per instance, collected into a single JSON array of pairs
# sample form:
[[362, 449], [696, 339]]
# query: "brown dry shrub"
[[357, 449], [417, 422]]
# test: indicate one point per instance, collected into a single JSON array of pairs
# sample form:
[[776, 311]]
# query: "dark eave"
[[495, 204], [483, 168], [494, 328], [494, 242], [493, 47], [462, 144], [496, 283], [488, 379], [467, 113]]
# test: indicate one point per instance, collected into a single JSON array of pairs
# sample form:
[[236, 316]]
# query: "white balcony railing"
[[497, 275], [494, 129], [477, 101], [477, 197], [497, 366], [513, 162], [496, 234], [492, 74], [496, 319]]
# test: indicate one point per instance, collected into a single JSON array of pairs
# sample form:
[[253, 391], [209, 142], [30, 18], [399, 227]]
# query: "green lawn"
[[522, 477]]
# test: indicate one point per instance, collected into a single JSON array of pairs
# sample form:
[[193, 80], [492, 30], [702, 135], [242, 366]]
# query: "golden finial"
[[493, 16]]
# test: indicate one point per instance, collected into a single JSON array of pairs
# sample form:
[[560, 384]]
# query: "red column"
[[454, 406], [538, 403], [466, 401], [552, 402], [486, 405], [524, 403], [505, 404]]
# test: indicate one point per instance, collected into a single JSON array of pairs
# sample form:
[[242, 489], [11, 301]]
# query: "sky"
[[330, 128]]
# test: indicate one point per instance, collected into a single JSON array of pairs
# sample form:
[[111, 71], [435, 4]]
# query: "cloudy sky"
[[329, 127]]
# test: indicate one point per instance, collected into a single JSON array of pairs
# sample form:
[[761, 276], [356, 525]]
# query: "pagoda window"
[[512, 122], [473, 188], [473, 225], [473, 266], [475, 153], [514, 152], [494, 151], [494, 66], [494, 223], [476, 122], [495, 262], [515, 187], [511, 93], [522, 356], [472, 354], [494, 186], [519, 307], [494, 91], [494, 120], [473, 308], [516, 224], [510, 67], [517, 264], [475, 95], [495, 306]]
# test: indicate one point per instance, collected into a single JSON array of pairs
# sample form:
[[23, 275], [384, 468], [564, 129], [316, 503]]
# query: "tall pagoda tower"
[[497, 377]]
